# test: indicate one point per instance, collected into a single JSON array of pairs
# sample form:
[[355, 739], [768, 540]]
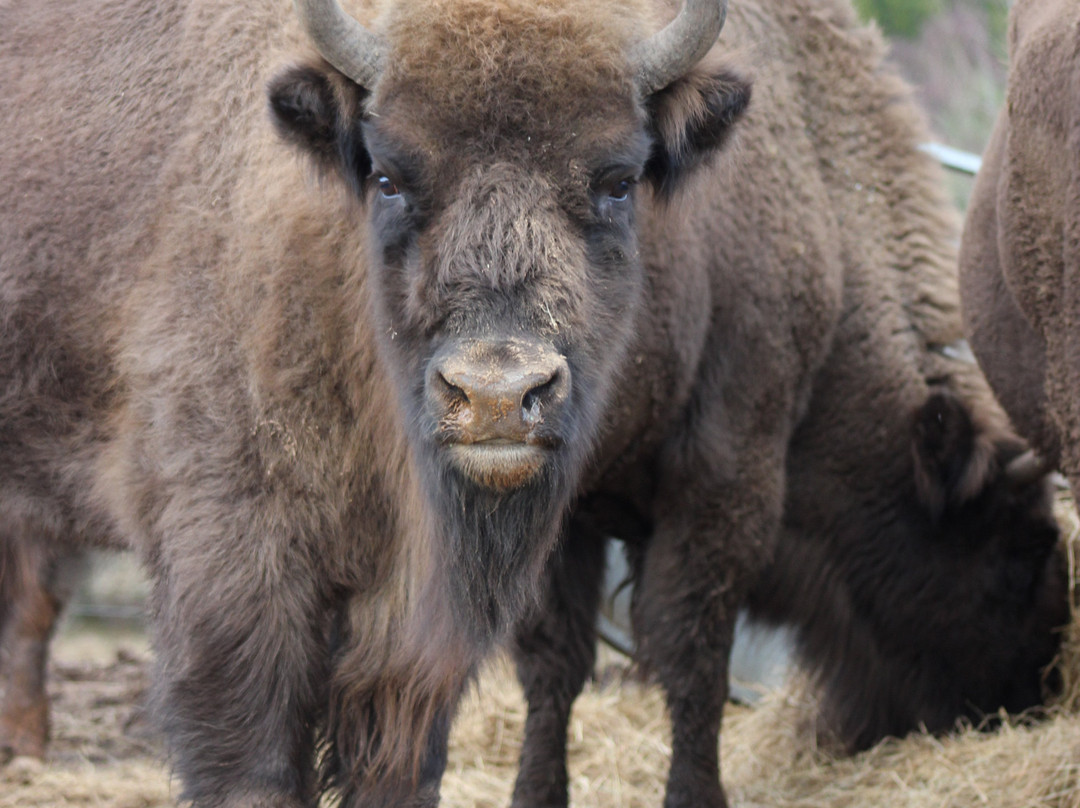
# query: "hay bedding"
[[103, 754], [618, 754]]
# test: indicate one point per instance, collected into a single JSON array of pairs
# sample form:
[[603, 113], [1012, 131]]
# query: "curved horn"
[[669, 53], [342, 41], [1026, 468]]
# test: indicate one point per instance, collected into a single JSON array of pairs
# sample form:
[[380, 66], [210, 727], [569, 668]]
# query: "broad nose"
[[483, 391]]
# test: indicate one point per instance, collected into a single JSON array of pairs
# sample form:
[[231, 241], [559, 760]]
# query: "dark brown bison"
[[1019, 259], [915, 545], [939, 598], [345, 422]]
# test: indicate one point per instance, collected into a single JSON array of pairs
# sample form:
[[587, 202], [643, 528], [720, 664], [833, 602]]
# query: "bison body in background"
[[944, 600], [915, 556], [345, 422], [1020, 255]]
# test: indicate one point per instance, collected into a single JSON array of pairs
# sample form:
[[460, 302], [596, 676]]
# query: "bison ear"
[[953, 457], [318, 110], [690, 120]]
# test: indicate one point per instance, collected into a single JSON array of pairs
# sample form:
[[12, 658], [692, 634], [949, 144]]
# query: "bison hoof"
[[264, 800], [702, 798]]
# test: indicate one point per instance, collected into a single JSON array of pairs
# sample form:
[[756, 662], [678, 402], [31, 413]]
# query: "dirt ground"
[[103, 752]]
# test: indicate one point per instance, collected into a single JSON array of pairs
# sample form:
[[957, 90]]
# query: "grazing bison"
[[1021, 246], [939, 597], [916, 548], [346, 422]]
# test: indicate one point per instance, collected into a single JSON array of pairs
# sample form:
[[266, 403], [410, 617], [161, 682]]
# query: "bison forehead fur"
[[566, 61]]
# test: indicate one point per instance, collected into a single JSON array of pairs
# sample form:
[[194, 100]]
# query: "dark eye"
[[387, 188], [620, 190]]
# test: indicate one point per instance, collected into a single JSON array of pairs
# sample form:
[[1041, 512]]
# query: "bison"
[[344, 421], [352, 408], [939, 598], [916, 551], [1019, 252]]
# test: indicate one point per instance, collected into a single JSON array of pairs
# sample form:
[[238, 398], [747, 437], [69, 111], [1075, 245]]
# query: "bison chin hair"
[[492, 544]]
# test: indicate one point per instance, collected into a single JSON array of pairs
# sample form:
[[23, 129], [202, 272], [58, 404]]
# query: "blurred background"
[[954, 53]]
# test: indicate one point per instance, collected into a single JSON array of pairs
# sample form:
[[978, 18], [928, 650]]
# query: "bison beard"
[[498, 520], [496, 543]]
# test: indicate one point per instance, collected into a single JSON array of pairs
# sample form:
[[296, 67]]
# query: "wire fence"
[[955, 159]]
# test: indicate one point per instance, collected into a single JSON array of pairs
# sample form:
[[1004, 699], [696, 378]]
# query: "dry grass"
[[619, 745]]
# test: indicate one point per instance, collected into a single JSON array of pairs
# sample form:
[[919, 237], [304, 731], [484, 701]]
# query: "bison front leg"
[[358, 789], [34, 586], [241, 655], [555, 650], [709, 544]]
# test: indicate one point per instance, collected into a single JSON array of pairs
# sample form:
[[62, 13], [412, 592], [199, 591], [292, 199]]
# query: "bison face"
[[502, 164]]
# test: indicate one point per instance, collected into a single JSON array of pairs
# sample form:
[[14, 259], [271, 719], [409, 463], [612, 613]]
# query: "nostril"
[[497, 392], [451, 393], [536, 398], [530, 403]]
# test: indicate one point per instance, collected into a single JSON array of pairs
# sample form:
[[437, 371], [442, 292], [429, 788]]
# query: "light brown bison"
[[346, 421], [1021, 245]]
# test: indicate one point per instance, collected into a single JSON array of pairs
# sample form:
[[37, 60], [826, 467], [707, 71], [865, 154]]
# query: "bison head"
[[501, 153], [992, 584]]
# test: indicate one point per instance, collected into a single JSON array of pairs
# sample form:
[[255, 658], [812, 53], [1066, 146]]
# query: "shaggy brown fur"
[[191, 365], [1022, 234], [216, 360], [920, 599], [832, 282]]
